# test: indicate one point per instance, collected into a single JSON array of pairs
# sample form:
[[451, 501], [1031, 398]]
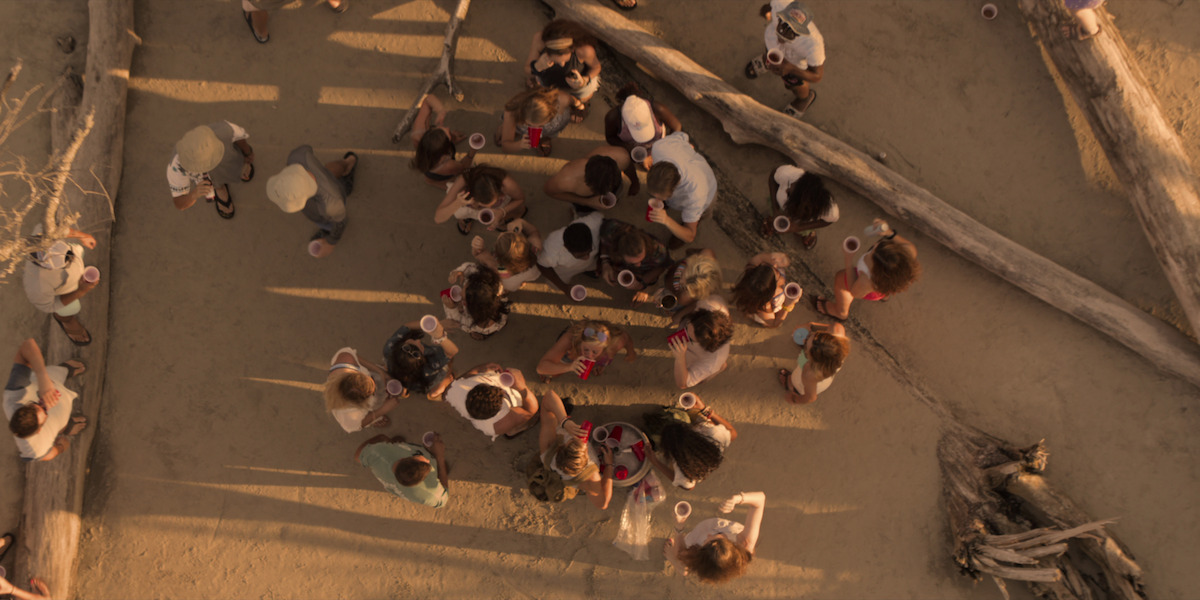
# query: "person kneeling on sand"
[[565, 450], [718, 550], [319, 190], [585, 181], [483, 398], [704, 352], [38, 405], [692, 450], [407, 470]]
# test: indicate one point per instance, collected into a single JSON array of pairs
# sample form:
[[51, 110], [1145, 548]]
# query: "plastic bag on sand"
[[634, 535]]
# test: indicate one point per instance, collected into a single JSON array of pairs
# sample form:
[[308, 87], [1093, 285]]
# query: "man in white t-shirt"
[[571, 250], [683, 181], [791, 33], [705, 352], [492, 407]]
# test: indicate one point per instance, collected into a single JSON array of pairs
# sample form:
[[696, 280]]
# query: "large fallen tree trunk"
[[443, 74], [49, 540], [747, 121], [1142, 147]]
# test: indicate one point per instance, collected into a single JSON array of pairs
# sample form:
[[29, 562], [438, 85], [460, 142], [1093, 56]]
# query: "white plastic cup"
[[774, 56], [626, 278], [877, 228], [851, 244], [507, 379], [91, 274], [638, 154], [394, 387], [683, 510], [989, 11], [429, 323], [600, 434], [429, 438], [782, 223], [578, 293], [477, 141], [792, 290], [456, 293], [687, 400], [608, 200], [486, 216], [314, 248]]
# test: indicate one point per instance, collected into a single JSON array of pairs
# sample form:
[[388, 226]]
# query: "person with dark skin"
[[791, 32]]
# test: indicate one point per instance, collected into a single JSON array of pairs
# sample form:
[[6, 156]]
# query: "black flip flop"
[[348, 178], [530, 424], [227, 205], [78, 424], [820, 304], [68, 334], [12, 539], [250, 22]]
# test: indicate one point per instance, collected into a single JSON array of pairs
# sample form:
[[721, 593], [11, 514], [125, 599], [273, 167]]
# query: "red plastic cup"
[[621, 472], [394, 387], [792, 290], [774, 56], [638, 154], [851, 244], [429, 323], [682, 334], [608, 200], [687, 400], [652, 204], [91, 274], [626, 278], [614, 434], [587, 368], [477, 141], [486, 216], [639, 450], [585, 430], [535, 137], [782, 223], [578, 293], [429, 438]]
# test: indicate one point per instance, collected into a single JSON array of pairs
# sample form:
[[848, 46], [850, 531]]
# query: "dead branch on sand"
[[444, 74]]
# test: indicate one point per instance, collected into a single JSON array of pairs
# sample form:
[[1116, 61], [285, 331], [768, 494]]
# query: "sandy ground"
[[218, 474]]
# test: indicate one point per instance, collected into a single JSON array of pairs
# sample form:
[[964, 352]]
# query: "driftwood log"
[[49, 535], [1142, 147], [748, 121], [444, 74]]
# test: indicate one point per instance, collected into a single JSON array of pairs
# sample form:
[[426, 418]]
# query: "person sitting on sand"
[[492, 407], [718, 550], [350, 393], [547, 111], [587, 340], [888, 267], [571, 250], [692, 451], [483, 310], [204, 166], [435, 146], [482, 187], [759, 293], [636, 120], [514, 256], [408, 470], [688, 281], [318, 190], [38, 404], [422, 367], [682, 180], [804, 200], [823, 351], [584, 181], [624, 247], [563, 56], [565, 450], [791, 32], [54, 282], [705, 352]]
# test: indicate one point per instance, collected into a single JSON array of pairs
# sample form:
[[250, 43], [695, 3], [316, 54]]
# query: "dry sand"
[[218, 474]]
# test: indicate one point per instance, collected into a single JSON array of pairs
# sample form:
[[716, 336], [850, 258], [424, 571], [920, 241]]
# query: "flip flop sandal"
[[767, 229], [75, 341], [464, 226], [341, 8], [754, 67], [821, 305], [349, 177], [78, 424], [792, 110], [12, 540], [261, 40], [251, 177], [545, 147], [225, 207], [809, 241], [74, 367], [624, 7], [579, 114], [783, 377], [381, 422]]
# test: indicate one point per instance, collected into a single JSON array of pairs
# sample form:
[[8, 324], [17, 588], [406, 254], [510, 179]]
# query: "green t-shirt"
[[382, 456]]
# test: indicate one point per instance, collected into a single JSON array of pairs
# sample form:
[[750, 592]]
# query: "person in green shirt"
[[408, 470]]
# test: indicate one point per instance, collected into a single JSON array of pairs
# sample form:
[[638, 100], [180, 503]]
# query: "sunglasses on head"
[[411, 350], [599, 336]]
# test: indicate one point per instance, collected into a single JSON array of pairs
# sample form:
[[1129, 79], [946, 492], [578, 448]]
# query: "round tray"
[[630, 435]]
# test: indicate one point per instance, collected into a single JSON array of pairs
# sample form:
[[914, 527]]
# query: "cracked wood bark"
[[50, 520], [747, 121], [1143, 149], [444, 74]]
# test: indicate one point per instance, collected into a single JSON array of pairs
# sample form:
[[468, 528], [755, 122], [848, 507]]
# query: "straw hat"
[[291, 188], [200, 150]]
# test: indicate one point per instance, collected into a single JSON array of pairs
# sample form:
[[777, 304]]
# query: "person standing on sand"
[[682, 180], [54, 282], [791, 32], [408, 470], [494, 408], [319, 190], [38, 404], [203, 166], [257, 14]]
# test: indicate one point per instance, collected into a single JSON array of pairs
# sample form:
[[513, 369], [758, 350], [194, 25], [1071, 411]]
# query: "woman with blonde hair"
[[546, 109], [690, 280], [718, 550], [564, 450], [514, 256], [824, 349], [350, 393], [595, 341]]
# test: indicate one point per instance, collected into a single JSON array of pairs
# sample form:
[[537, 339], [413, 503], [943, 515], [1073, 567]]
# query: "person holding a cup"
[[586, 348], [496, 401], [823, 351], [350, 392], [585, 181], [718, 550], [795, 52], [532, 118], [571, 250], [688, 281], [38, 404], [41, 591], [434, 143], [482, 310], [422, 367], [704, 351], [888, 267], [803, 200], [514, 256], [319, 191], [408, 470], [760, 295], [480, 191], [637, 121], [564, 449], [625, 247], [204, 165], [692, 451], [563, 57], [55, 280], [683, 181]]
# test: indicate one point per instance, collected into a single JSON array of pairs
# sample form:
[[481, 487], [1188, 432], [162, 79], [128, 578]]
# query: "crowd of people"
[[643, 139]]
